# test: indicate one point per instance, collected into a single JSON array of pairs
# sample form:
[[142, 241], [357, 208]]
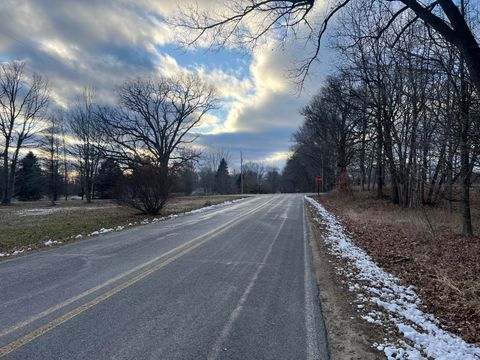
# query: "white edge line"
[[311, 323]]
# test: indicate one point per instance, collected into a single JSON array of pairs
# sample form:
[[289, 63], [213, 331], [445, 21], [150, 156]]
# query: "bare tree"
[[415, 109], [296, 177], [51, 143], [209, 163], [153, 125], [214, 156], [246, 21], [83, 123], [333, 117], [254, 174], [271, 182], [22, 103], [65, 161]]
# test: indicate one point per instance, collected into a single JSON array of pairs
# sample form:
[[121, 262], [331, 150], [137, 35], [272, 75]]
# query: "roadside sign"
[[318, 179]]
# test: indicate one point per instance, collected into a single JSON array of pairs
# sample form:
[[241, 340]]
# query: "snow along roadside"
[[398, 304], [101, 231]]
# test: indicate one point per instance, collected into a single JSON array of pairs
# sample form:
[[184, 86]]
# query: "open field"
[[32, 223], [423, 247]]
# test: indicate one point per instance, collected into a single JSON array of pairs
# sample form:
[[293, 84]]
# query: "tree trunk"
[[363, 154], [394, 190], [11, 182], [465, 168], [88, 189], [450, 176], [6, 198], [466, 213], [460, 36], [379, 169], [466, 174], [471, 52]]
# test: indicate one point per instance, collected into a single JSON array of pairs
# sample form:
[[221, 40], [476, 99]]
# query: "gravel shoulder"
[[349, 336]]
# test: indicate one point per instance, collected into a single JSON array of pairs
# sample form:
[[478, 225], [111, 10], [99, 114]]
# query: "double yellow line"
[[179, 252]]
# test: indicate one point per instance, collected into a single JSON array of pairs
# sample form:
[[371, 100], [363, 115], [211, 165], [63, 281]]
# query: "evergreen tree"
[[109, 177], [222, 178], [189, 179], [29, 179]]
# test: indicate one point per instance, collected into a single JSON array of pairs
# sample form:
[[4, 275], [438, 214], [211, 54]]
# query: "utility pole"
[[241, 172]]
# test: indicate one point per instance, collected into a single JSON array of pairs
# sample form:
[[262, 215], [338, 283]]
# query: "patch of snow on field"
[[210, 207], [40, 211], [53, 210], [172, 216], [400, 302], [195, 211], [51, 242]]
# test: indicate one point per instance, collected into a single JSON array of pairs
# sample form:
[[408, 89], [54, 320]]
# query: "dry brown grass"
[[423, 247]]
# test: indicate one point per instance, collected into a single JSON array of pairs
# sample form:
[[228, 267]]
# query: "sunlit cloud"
[[277, 158], [108, 41]]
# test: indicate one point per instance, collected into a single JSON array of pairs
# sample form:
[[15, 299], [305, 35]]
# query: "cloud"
[[76, 44], [99, 43]]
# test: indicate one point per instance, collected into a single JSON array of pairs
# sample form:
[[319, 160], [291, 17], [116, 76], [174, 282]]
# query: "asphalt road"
[[231, 283]]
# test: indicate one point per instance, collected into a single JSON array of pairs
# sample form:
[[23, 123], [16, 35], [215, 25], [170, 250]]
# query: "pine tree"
[[222, 178], [29, 179], [109, 177]]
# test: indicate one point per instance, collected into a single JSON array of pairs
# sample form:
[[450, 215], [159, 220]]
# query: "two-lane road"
[[231, 283]]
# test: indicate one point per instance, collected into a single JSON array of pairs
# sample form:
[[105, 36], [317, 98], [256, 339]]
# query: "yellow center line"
[[71, 314], [98, 287]]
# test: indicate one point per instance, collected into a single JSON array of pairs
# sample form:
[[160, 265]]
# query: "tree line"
[[137, 150], [36, 178], [146, 133], [400, 116], [401, 113]]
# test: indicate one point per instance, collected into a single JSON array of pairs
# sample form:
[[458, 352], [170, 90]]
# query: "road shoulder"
[[349, 336]]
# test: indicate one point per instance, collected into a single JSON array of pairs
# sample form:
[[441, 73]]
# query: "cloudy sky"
[[100, 43]]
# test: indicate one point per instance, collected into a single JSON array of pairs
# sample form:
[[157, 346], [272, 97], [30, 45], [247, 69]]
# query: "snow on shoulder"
[[398, 304]]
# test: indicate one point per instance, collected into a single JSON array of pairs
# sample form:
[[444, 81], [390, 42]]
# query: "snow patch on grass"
[[147, 221], [53, 210], [399, 302], [210, 207], [50, 242], [101, 231], [39, 211], [196, 211]]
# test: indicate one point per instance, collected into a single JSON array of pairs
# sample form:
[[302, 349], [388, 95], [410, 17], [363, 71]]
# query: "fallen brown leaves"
[[422, 248]]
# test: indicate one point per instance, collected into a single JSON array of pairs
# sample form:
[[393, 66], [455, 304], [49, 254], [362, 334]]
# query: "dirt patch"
[[349, 336], [423, 248]]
